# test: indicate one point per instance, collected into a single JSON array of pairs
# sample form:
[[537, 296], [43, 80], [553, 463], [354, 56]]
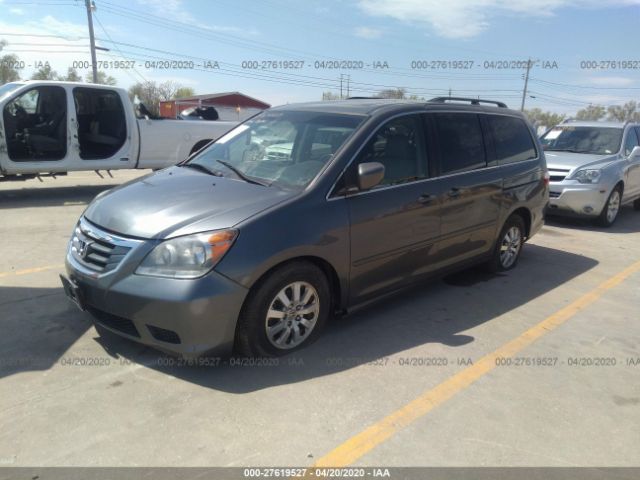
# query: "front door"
[[395, 225], [36, 129]]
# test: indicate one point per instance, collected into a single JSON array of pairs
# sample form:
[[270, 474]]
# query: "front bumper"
[[186, 317], [577, 199]]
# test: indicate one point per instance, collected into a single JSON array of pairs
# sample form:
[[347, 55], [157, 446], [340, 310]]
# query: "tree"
[[8, 64], [398, 93], [45, 73], [592, 112], [103, 78], [540, 118], [626, 112], [330, 96], [72, 75], [151, 93], [184, 92], [8, 70]]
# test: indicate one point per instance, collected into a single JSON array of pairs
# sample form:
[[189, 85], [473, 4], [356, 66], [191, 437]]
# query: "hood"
[[180, 201], [570, 160]]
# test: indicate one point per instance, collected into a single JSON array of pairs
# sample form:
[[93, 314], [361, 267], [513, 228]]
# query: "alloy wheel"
[[292, 315]]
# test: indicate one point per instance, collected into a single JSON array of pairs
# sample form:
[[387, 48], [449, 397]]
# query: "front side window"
[[512, 140], [398, 146], [284, 148], [460, 142], [578, 139]]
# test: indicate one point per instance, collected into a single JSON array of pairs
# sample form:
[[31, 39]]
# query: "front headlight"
[[187, 257], [587, 176]]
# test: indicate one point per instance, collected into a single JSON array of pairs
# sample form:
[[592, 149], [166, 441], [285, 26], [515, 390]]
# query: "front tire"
[[286, 311], [611, 209], [509, 245]]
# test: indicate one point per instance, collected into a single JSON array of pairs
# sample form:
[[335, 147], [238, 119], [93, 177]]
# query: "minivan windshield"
[[284, 148], [594, 140]]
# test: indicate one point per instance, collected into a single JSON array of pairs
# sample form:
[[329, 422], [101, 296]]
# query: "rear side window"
[[460, 142], [512, 140]]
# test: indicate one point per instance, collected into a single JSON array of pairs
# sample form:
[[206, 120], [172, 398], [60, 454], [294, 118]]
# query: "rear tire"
[[636, 205], [611, 209], [508, 246], [286, 311]]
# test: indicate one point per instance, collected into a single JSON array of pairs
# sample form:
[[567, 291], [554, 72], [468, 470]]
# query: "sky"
[[583, 51]]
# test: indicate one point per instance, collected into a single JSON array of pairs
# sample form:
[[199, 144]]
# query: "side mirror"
[[369, 175], [635, 153]]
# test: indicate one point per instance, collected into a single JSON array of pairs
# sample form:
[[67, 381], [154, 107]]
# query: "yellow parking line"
[[365, 441], [32, 270]]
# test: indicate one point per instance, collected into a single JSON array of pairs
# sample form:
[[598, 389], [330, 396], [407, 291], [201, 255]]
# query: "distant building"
[[232, 106]]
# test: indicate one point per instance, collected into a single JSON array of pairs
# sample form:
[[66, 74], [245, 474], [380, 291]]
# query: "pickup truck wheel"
[[286, 311], [508, 246], [610, 210], [636, 205]]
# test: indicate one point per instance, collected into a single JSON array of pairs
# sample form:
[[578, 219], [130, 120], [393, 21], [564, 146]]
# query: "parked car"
[[232, 250], [594, 168], [57, 127]]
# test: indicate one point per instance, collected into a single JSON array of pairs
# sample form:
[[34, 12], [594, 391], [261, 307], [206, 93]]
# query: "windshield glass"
[[285, 148], [595, 140], [8, 88]]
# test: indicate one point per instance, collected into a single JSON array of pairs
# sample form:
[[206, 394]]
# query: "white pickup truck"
[[50, 127]]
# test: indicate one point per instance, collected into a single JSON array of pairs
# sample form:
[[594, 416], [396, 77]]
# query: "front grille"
[[98, 250], [554, 194], [557, 174], [164, 335], [114, 322]]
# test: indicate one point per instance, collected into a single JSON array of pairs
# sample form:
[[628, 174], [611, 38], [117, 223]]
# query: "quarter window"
[[511, 138], [460, 142], [630, 142], [398, 146]]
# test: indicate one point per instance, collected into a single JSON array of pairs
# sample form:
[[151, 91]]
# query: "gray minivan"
[[302, 212]]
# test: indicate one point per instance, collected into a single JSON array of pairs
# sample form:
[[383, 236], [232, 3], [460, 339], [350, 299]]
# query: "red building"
[[230, 105]]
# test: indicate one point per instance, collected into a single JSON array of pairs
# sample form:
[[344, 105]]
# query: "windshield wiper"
[[572, 150], [242, 175], [202, 168]]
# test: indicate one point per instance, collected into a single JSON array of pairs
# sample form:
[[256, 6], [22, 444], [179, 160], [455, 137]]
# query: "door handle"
[[454, 192], [425, 198]]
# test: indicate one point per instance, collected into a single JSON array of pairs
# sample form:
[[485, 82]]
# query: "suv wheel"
[[286, 311], [509, 245], [610, 210], [636, 205]]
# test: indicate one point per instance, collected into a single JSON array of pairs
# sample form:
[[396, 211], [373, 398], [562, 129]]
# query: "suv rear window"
[[512, 140]]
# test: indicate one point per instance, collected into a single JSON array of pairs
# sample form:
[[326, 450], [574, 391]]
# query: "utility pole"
[[348, 86], [341, 87], [526, 82], [92, 41], [449, 92]]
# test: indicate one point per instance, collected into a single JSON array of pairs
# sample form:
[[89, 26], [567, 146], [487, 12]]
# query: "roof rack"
[[473, 101], [363, 98]]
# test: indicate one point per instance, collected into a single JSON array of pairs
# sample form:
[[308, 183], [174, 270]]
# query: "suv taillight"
[[547, 177]]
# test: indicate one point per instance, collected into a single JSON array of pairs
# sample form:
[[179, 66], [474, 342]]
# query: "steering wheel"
[[20, 113]]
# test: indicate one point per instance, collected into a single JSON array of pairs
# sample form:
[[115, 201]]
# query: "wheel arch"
[[199, 145], [525, 214], [325, 266]]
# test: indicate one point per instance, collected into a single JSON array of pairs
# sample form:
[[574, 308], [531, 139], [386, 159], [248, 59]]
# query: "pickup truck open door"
[[59, 128]]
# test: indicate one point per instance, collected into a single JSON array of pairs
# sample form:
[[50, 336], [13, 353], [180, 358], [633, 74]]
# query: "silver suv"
[[594, 168]]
